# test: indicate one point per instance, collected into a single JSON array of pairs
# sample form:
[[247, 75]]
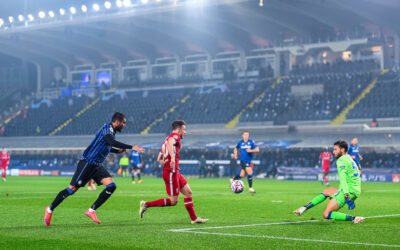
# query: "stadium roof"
[[181, 30]]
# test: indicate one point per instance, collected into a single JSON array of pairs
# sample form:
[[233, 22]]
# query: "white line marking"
[[276, 201], [250, 225], [381, 216], [191, 230], [294, 239]]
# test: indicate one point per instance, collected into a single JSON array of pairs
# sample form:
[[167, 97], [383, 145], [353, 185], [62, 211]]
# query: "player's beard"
[[338, 156], [118, 129]]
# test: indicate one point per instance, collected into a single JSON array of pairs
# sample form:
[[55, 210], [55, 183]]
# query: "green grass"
[[22, 202]]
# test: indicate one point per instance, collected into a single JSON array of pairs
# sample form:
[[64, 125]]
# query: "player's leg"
[[249, 172], [242, 172], [328, 192], [338, 201], [139, 175], [326, 178], [81, 176], [133, 173], [3, 173], [187, 198], [103, 177], [90, 185], [172, 188]]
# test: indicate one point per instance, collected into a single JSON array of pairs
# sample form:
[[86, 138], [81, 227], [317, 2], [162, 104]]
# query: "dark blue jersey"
[[243, 146], [136, 157], [354, 151], [98, 150]]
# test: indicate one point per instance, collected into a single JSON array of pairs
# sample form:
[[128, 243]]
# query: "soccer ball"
[[237, 186]]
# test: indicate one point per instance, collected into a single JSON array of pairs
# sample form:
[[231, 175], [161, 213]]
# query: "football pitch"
[[262, 221]]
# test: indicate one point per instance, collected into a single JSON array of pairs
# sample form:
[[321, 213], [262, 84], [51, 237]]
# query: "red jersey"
[[5, 159], [326, 160], [167, 156]]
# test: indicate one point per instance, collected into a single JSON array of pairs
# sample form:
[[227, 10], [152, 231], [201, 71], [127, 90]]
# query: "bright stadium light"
[[145, 1], [62, 12], [107, 4], [72, 10], [96, 7], [21, 18], [11, 19], [51, 14], [31, 17], [118, 3], [42, 14], [84, 8], [261, 3], [127, 3], [1, 22]]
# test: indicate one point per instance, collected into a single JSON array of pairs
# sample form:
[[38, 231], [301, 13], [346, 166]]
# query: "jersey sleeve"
[[108, 130], [238, 145], [342, 173], [253, 145]]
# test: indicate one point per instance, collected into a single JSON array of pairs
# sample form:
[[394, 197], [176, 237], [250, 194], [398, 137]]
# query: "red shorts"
[[173, 182], [325, 170], [3, 167]]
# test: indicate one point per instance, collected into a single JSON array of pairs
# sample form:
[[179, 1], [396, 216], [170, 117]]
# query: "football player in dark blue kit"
[[246, 147], [91, 167], [136, 161], [354, 152]]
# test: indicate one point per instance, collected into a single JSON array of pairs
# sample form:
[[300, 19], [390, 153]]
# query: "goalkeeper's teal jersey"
[[349, 176]]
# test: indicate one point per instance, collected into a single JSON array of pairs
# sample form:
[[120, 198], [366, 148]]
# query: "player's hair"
[[117, 116], [177, 124], [354, 138], [245, 131], [342, 144]]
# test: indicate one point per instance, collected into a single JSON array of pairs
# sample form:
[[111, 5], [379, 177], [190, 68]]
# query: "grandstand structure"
[[297, 74]]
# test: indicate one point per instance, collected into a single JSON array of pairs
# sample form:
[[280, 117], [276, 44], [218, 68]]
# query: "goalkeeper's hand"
[[349, 202]]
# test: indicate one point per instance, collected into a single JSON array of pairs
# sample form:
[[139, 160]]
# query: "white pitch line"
[[249, 225], [294, 239], [269, 224], [191, 230]]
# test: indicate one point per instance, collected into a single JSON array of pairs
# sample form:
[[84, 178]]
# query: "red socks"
[[190, 208], [326, 178], [3, 173], [167, 202], [159, 203]]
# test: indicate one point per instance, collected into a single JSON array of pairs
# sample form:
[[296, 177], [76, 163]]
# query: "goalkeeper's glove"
[[349, 202]]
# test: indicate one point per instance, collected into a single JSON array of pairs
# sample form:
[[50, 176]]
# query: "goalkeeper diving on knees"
[[349, 188]]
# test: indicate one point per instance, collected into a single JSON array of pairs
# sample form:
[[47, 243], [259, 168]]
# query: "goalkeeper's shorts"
[[339, 197]]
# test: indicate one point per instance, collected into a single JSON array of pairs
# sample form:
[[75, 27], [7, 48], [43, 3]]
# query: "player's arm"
[[116, 144], [359, 156], [160, 159], [170, 148], [342, 172], [235, 153], [117, 151], [254, 150]]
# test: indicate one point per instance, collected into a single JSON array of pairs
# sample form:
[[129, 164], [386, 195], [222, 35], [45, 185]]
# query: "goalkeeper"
[[349, 188]]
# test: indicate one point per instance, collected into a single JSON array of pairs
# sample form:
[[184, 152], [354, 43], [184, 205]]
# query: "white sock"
[[91, 210], [48, 210]]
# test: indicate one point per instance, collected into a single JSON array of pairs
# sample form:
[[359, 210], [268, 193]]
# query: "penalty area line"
[[292, 239], [196, 231]]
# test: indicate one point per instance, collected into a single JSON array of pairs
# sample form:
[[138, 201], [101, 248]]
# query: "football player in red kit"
[[175, 183], [5, 160], [326, 158]]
